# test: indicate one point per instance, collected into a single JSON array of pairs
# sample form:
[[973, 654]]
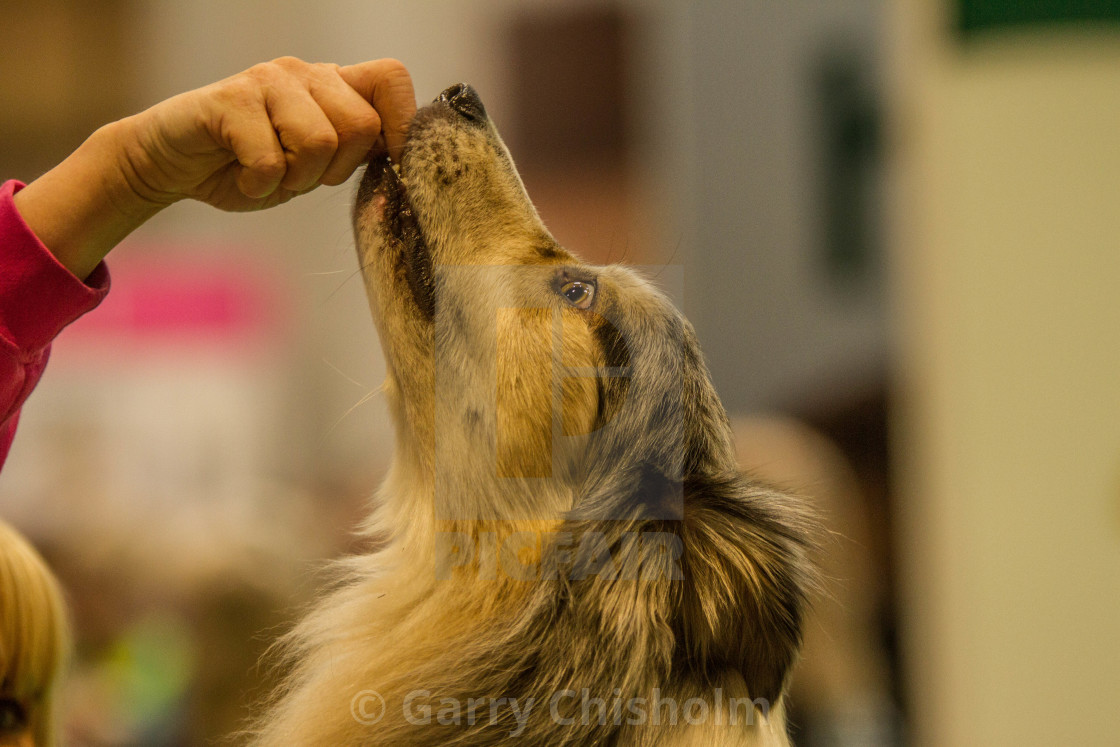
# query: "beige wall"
[[1006, 287]]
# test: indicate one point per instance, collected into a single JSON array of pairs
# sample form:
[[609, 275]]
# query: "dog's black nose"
[[465, 100]]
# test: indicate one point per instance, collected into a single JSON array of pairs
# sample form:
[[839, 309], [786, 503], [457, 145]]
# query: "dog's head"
[[526, 383], [502, 344]]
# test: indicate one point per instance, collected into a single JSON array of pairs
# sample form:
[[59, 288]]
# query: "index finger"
[[387, 85]]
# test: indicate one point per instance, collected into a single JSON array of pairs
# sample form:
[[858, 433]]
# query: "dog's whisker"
[[370, 395], [343, 284], [338, 371], [663, 266]]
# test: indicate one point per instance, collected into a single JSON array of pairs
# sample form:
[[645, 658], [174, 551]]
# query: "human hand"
[[248, 142], [265, 135]]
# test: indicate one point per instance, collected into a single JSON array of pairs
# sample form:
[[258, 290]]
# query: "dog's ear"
[[747, 575]]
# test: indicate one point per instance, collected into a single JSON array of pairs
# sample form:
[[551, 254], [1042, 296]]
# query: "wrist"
[[127, 169], [86, 205]]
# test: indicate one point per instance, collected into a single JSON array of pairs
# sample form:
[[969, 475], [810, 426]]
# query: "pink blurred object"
[[187, 300]]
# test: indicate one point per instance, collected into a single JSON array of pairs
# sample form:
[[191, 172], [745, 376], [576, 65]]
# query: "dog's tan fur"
[[521, 419]]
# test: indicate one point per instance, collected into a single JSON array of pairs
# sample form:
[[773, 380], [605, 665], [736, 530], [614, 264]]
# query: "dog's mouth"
[[429, 165], [403, 235]]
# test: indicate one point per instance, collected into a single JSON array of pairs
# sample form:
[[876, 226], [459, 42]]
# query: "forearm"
[[249, 142], [85, 206]]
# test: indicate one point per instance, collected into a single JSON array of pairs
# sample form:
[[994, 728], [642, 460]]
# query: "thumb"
[[387, 85]]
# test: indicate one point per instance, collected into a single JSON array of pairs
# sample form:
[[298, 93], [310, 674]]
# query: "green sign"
[[982, 15]]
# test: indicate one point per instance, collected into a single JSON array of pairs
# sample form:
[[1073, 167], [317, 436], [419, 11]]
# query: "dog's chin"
[[383, 186]]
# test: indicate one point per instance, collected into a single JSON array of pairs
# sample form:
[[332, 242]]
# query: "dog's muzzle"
[[402, 230]]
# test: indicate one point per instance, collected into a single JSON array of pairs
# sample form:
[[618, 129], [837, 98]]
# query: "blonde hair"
[[34, 632]]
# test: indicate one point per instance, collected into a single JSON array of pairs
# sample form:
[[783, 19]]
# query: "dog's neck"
[[418, 508]]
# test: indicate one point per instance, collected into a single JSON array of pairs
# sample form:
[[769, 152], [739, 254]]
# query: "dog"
[[563, 551]]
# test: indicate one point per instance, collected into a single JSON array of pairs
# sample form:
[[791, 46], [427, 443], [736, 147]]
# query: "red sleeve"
[[38, 297]]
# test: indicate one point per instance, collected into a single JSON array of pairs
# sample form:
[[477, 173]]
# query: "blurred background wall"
[[1007, 336], [889, 228]]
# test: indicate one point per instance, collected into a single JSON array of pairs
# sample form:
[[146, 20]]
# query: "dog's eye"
[[578, 293]]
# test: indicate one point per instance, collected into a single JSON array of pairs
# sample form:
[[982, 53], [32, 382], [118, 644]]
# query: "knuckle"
[[394, 68], [276, 69], [325, 69], [319, 141], [270, 164], [240, 93], [361, 126], [288, 62], [261, 71], [397, 76]]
